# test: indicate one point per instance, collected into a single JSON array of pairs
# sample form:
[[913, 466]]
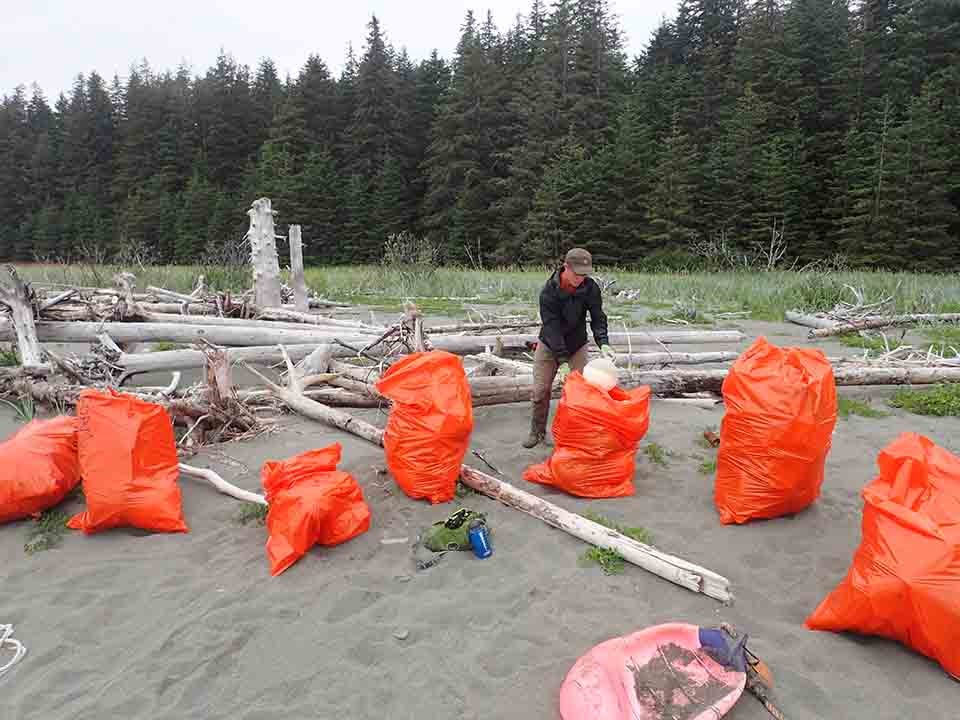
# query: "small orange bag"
[[311, 503], [904, 583], [781, 408], [40, 467], [129, 465], [596, 434], [428, 432]]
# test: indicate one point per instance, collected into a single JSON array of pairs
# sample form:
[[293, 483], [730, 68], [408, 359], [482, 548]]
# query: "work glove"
[[562, 372], [608, 352]]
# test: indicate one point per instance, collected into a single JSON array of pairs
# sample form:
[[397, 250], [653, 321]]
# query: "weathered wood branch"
[[222, 485], [134, 363]]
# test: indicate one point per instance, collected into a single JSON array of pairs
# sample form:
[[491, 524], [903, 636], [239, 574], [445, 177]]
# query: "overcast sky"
[[50, 41]]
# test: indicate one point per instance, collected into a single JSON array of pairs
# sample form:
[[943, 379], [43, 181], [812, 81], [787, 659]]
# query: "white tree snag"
[[666, 566], [877, 323], [240, 336], [811, 321], [222, 485], [674, 569], [17, 298], [298, 281], [263, 248]]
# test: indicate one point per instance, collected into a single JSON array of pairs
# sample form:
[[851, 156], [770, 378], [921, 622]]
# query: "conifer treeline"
[[835, 126]]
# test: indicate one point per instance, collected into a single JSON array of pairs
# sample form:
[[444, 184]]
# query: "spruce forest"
[[825, 128]]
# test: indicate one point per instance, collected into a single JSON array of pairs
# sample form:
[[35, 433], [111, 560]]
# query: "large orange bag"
[[781, 408], [310, 503], [904, 583], [129, 465], [596, 434], [429, 428], [40, 467]]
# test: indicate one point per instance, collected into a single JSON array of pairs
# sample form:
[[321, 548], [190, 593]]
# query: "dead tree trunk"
[[263, 248], [19, 299], [296, 269]]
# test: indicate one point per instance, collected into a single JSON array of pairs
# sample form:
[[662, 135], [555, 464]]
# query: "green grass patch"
[[873, 343], [847, 407], [767, 295], [164, 345], [708, 467], [9, 357], [657, 454], [47, 532], [937, 401], [252, 514], [610, 561], [943, 335], [24, 407]]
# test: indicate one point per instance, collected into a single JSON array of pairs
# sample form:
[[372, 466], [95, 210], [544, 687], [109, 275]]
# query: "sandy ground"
[[132, 625]]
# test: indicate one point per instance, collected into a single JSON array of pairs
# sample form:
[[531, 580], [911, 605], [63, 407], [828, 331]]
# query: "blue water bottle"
[[480, 539]]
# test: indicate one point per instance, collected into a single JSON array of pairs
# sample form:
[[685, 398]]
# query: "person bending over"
[[565, 300]]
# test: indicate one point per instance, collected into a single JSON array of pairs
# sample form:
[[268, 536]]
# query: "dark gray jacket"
[[564, 317]]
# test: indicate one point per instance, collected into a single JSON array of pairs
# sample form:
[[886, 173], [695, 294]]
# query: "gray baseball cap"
[[579, 261]]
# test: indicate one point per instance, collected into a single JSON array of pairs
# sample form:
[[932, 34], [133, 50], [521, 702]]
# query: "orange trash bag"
[[596, 434], [310, 503], [40, 467], [129, 465], [904, 583], [429, 428], [781, 408]]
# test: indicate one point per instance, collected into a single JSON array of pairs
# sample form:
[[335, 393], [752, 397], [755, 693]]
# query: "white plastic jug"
[[601, 373]]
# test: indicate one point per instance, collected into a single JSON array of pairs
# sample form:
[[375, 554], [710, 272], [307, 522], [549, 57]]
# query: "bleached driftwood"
[[175, 296], [18, 298], [211, 320], [287, 314], [877, 323], [473, 344], [671, 568], [263, 248], [481, 327], [184, 359], [52, 331], [811, 321], [222, 485], [300, 301], [674, 358]]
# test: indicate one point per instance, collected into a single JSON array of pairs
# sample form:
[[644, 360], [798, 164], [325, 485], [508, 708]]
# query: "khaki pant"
[[545, 366]]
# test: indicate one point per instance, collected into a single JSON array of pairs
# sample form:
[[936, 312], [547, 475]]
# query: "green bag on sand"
[[452, 533]]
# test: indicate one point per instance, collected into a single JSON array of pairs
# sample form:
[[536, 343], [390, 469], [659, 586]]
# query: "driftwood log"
[[222, 485], [811, 321], [878, 323]]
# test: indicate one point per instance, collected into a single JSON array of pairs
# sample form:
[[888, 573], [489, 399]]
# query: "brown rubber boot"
[[538, 425]]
